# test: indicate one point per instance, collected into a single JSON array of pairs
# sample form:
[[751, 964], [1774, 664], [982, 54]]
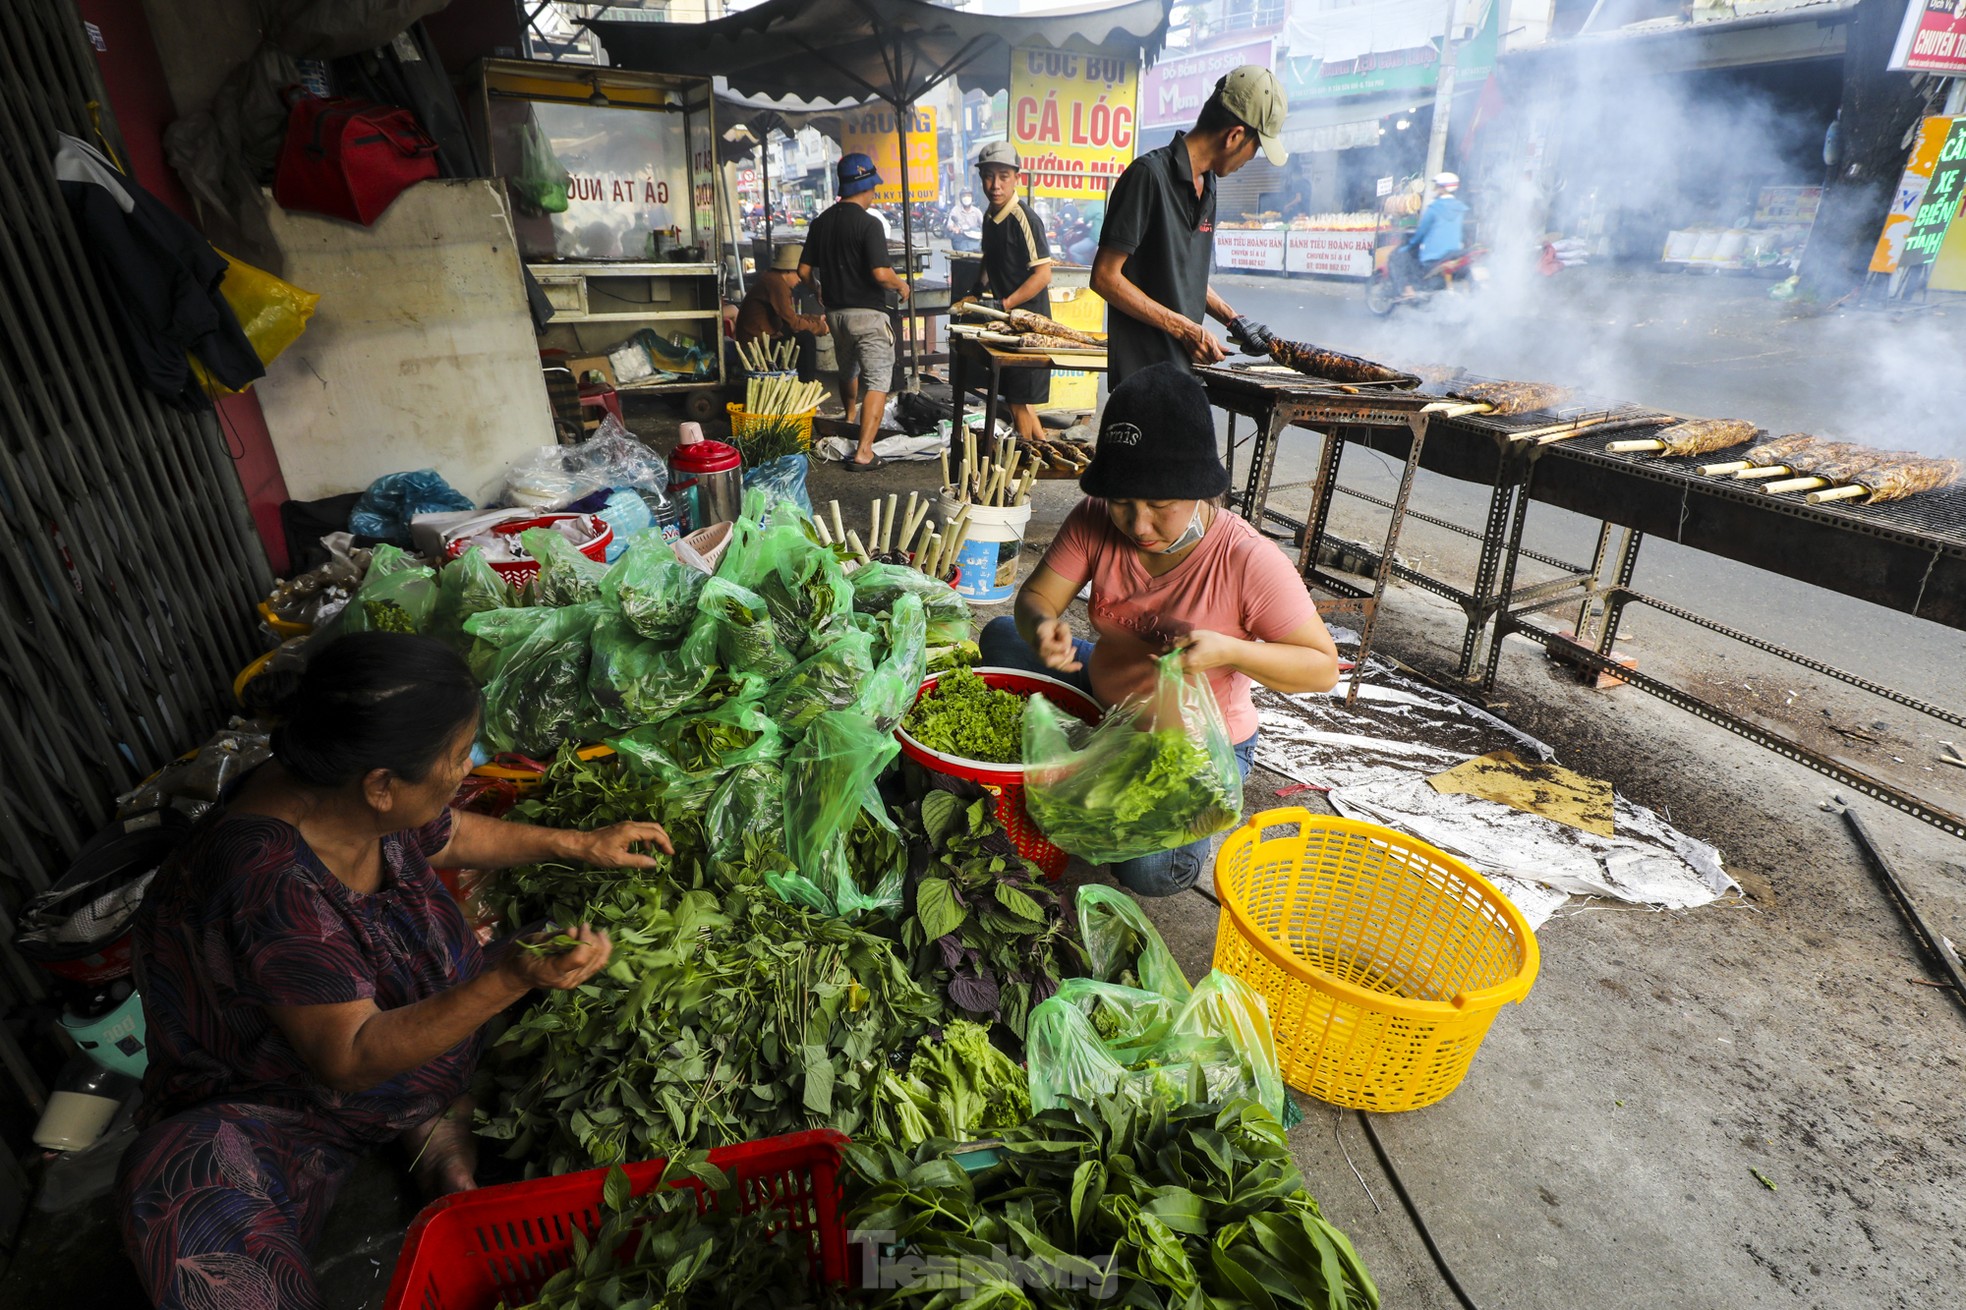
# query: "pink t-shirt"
[[1236, 582]]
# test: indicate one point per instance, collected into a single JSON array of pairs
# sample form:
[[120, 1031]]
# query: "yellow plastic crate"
[[1382, 959], [742, 421]]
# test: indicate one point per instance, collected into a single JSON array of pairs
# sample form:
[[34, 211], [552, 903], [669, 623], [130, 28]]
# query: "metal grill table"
[[1277, 399]]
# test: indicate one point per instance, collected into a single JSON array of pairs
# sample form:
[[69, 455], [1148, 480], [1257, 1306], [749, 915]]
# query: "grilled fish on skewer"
[[1329, 364], [1507, 398], [1699, 436], [1026, 321], [1894, 476]]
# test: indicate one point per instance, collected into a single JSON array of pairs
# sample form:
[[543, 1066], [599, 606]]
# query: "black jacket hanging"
[[161, 278]]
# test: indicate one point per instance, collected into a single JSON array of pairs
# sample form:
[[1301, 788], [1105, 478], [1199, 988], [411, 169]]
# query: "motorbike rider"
[[966, 225], [1440, 235]]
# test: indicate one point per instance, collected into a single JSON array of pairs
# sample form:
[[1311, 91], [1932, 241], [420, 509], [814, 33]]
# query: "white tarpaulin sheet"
[[1375, 757]]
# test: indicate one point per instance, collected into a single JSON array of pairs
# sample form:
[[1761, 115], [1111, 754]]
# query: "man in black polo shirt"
[[1017, 271], [846, 251], [1159, 235]]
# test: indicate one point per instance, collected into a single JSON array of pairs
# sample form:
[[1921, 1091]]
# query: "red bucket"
[[519, 572], [1004, 783]]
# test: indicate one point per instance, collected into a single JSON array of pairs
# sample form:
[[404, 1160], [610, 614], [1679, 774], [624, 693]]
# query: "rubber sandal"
[[855, 466]]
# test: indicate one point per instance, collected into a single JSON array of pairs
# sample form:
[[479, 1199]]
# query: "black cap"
[[1156, 441]]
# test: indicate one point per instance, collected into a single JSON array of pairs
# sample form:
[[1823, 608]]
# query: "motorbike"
[[1458, 275]]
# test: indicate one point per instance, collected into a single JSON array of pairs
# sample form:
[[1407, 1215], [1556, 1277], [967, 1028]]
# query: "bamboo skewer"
[[887, 520], [1731, 466], [1630, 447], [874, 523], [853, 540], [1851, 492], [839, 530], [1787, 485], [819, 526], [1764, 471]]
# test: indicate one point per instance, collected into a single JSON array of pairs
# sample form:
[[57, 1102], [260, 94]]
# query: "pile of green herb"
[[984, 928], [1195, 1206], [1145, 791], [767, 437], [960, 1088], [667, 1250], [964, 716]]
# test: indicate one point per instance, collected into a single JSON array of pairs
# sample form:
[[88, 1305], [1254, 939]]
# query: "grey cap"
[[1253, 94], [1001, 153]]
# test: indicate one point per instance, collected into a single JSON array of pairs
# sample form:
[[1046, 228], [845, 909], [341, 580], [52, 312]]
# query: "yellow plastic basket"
[[1383, 960], [742, 421]]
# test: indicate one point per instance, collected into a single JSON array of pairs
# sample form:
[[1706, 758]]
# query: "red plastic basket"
[[519, 572], [1005, 782], [471, 1250]]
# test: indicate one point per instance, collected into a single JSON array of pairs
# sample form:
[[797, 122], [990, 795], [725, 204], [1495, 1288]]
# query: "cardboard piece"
[[1550, 790]]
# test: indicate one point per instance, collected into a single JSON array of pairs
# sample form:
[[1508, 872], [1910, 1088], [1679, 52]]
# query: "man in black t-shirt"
[[846, 255], [1017, 271], [1159, 234]]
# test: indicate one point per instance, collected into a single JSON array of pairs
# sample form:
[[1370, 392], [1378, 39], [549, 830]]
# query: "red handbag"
[[349, 158]]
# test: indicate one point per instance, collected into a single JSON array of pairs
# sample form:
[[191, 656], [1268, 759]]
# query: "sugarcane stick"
[[887, 537], [997, 487], [1851, 492], [931, 553], [952, 552], [913, 521], [839, 529], [874, 522], [1795, 484], [853, 540], [1627, 447], [1731, 466], [819, 526], [945, 466], [1024, 487]]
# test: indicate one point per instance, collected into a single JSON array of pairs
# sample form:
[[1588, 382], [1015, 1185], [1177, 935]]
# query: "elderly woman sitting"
[[311, 990]]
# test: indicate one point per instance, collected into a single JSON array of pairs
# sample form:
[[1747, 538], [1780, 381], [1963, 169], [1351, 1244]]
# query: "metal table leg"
[[1262, 462], [1502, 499]]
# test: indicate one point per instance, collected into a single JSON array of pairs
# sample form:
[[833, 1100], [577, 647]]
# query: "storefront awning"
[[891, 50]]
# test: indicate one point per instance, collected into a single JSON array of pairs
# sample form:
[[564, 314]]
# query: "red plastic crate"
[[1004, 783], [471, 1250]]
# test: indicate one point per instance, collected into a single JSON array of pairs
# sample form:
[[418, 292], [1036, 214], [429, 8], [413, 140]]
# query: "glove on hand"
[[1253, 337]]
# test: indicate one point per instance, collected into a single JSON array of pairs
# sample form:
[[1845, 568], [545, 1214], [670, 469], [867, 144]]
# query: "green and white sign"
[[1345, 49]]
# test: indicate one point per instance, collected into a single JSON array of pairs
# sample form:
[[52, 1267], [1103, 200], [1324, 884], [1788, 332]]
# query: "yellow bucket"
[[742, 421], [1383, 961]]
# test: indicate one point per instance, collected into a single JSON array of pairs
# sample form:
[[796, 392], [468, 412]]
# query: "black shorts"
[[1026, 386]]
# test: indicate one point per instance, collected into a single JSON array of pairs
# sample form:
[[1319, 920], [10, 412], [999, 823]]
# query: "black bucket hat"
[[1156, 441]]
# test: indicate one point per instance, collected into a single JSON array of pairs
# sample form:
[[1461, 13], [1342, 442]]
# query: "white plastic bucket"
[[986, 570]]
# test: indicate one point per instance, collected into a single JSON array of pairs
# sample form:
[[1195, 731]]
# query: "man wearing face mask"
[[1170, 570], [966, 225]]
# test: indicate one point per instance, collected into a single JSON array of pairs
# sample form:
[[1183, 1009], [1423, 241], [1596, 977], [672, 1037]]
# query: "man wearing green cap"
[[1159, 235]]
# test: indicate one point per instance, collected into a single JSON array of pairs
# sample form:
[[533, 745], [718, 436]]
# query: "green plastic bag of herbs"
[[653, 589], [537, 696], [687, 747], [1158, 772], [877, 586], [466, 587], [826, 780], [1096, 1039], [740, 624], [1122, 946], [495, 632], [634, 680], [832, 679], [897, 680], [565, 577], [810, 602], [397, 594]]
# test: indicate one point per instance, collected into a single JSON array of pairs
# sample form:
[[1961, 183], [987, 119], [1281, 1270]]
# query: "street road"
[[1705, 346]]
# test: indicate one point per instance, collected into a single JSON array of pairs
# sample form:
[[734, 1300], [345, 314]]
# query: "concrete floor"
[[1602, 1151]]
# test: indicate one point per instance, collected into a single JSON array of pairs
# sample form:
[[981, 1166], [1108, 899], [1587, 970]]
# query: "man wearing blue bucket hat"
[[846, 254], [1170, 570]]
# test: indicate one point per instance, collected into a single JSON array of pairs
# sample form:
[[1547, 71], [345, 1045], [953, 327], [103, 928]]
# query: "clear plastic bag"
[[1122, 946], [810, 600], [384, 511], [826, 780], [556, 475], [653, 589], [565, 577], [495, 632], [1215, 1046], [749, 801], [1158, 772], [398, 595]]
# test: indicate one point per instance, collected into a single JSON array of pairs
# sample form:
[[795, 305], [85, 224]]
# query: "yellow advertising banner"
[[1918, 171], [871, 132], [1074, 119]]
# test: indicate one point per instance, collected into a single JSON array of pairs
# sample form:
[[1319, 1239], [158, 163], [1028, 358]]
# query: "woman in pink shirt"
[[1170, 570]]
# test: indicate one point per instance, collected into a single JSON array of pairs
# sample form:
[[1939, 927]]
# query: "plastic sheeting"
[[1376, 755]]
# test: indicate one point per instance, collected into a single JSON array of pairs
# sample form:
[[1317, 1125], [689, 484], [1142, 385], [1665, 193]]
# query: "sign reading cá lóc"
[[1073, 119]]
